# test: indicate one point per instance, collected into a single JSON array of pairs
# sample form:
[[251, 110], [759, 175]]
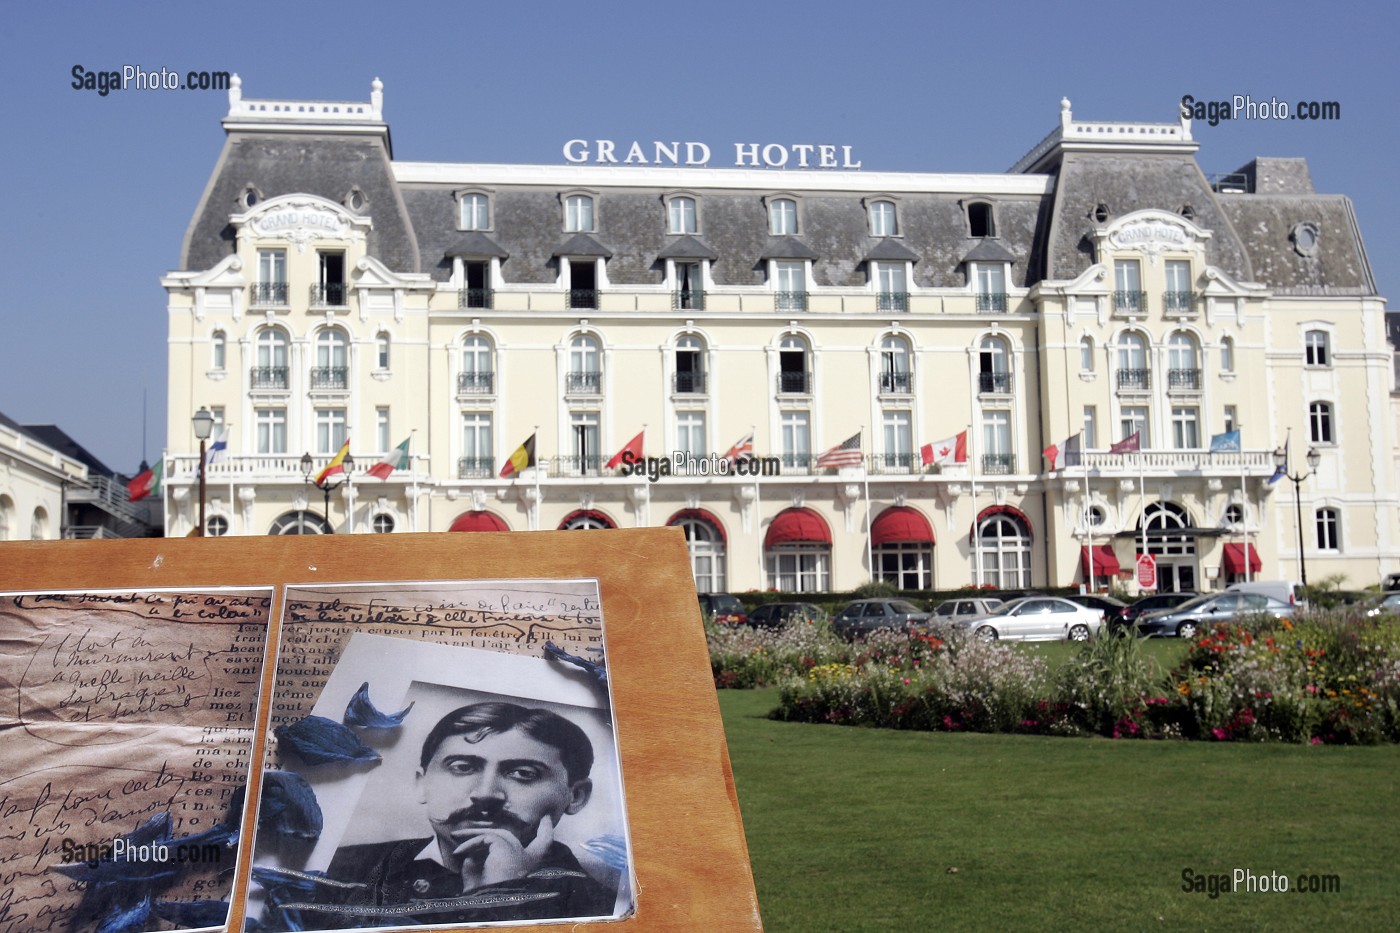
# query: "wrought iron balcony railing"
[[476, 298], [994, 383], [1135, 379], [897, 382], [688, 300], [268, 293], [892, 301], [894, 462], [688, 382], [1183, 379], [575, 465], [474, 467], [590, 383], [584, 298], [330, 377], [1178, 302], [1129, 302], [330, 295], [790, 383], [267, 377], [991, 301], [999, 463], [476, 383], [796, 462], [790, 301]]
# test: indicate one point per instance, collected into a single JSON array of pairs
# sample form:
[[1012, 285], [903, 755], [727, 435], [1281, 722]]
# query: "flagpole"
[[976, 538], [413, 480], [536, 522], [757, 512], [1244, 506], [1084, 516], [1142, 497], [865, 481], [164, 491]]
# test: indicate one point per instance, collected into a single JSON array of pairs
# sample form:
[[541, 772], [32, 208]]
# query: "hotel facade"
[[1101, 295]]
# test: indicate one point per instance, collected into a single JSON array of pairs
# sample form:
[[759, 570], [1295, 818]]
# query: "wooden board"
[[691, 859]]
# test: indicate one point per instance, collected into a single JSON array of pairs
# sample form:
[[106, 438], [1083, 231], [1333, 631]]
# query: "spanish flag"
[[336, 466], [523, 457]]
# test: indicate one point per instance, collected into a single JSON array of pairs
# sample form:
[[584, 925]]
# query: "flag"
[[1279, 473], [337, 465], [148, 483], [634, 447], [523, 458], [1129, 444], [846, 453], [392, 460], [219, 451], [1069, 453], [1051, 453], [949, 450], [1228, 441], [743, 447]]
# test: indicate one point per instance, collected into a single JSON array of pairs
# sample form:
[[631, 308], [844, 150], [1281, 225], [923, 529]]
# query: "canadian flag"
[[948, 450]]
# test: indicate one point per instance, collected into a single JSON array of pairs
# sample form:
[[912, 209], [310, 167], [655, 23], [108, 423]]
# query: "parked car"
[[1154, 603], [724, 607], [966, 606], [866, 615], [776, 615], [1285, 591], [1387, 604], [1035, 618], [1204, 611], [1111, 608], [1391, 583]]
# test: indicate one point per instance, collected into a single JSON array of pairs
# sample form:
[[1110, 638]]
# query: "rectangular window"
[[381, 351], [587, 449], [219, 345], [272, 430], [1186, 432], [381, 429], [991, 286], [583, 283], [476, 212], [272, 265], [578, 214], [330, 280], [1127, 284], [882, 219], [996, 442], [899, 439], [1328, 535], [1134, 420], [690, 287], [1091, 427], [782, 217], [797, 438], [218, 412], [330, 429], [682, 215], [477, 280], [790, 283], [893, 286], [1231, 419], [1178, 296], [477, 448], [690, 432]]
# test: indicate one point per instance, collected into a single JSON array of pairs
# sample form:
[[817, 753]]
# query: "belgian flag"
[[523, 457]]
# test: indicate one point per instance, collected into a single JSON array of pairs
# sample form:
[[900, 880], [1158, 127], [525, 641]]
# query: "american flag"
[[846, 453], [742, 448]]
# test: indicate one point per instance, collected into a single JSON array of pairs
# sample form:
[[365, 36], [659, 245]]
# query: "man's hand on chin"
[[494, 855]]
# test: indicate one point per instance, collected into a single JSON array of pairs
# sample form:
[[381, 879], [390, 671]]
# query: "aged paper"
[[127, 719]]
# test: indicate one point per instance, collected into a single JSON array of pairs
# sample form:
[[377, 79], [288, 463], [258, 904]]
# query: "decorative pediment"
[[1151, 232], [301, 219]]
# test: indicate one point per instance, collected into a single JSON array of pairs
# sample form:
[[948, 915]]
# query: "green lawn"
[[860, 829]]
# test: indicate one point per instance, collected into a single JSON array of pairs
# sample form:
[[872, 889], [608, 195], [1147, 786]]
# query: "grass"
[[860, 829]]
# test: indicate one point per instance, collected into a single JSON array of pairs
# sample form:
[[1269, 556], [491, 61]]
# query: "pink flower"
[[1220, 734], [1316, 740]]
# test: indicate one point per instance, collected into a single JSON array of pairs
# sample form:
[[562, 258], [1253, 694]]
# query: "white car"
[[1035, 618]]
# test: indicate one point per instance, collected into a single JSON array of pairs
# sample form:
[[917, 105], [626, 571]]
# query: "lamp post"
[[203, 423], [326, 486], [1281, 463]]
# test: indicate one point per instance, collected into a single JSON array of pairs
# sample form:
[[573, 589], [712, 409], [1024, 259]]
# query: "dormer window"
[[782, 217], [578, 214], [682, 216], [884, 220], [475, 212], [980, 222]]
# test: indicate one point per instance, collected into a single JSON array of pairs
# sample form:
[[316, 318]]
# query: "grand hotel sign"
[[746, 155]]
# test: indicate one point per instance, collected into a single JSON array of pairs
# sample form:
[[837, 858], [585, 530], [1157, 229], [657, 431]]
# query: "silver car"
[[1035, 618]]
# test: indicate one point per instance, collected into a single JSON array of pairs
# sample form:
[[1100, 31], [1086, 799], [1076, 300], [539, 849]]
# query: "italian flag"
[[336, 466], [392, 461], [148, 483]]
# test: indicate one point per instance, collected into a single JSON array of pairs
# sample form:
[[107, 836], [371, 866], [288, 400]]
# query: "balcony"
[[688, 300], [476, 383], [998, 464], [896, 383], [475, 467], [1184, 380], [1178, 303], [991, 301], [584, 383], [330, 295], [895, 463], [590, 465], [583, 299], [790, 301], [267, 377], [993, 383], [477, 298], [688, 383], [1134, 380], [268, 293], [794, 383], [892, 301], [330, 377], [1129, 302], [796, 462]]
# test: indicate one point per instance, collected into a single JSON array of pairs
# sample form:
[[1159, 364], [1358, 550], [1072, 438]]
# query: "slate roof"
[[687, 247], [989, 250], [1266, 223], [787, 247], [475, 244], [888, 250], [583, 245]]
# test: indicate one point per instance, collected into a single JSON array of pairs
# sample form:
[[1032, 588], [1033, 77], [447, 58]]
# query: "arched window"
[[476, 212], [7, 517], [585, 365], [300, 523], [884, 221], [690, 365], [1317, 350], [901, 543], [1166, 522], [681, 212], [585, 520], [1320, 422], [1086, 354], [782, 217], [331, 371], [39, 525], [381, 350], [218, 349], [578, 214], [1004, 543], [1183, 362], [478, 373], [1227, 355], [895, 369], [793, 372], [1329, 529], [705, 541], [994, 366], [1133, 371], [797, 551], [271, 369]]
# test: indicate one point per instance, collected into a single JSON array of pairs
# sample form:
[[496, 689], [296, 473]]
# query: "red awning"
[[901, 525], [478, 521], [1235, 559], [1007, 510], [592, 515], [1105, 561], [797, 525], [702, 515]]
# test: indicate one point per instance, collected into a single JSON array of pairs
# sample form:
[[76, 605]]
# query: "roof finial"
[[235, 91], [1066, 118], [376, 96]]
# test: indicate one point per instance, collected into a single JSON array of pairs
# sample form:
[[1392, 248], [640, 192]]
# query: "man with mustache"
[[496, 778]]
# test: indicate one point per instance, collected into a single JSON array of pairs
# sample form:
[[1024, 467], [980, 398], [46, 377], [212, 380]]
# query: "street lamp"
[[203, 423], [1281, 465], [327, 485]]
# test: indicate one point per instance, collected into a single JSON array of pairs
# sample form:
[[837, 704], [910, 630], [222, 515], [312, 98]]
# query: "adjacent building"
[[1113, 344]]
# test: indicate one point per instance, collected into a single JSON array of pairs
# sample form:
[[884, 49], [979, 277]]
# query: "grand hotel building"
[[1102, 287]]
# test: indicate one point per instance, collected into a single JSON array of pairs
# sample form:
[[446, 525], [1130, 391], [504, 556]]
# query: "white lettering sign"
[[746, 155]]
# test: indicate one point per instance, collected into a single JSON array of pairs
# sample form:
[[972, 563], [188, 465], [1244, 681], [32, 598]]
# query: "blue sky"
[[101, 189]]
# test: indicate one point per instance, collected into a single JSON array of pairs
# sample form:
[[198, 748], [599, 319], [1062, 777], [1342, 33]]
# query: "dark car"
[[1204, 611], [1154, 603], [724, 607], [866, 615], [1111, 608], [776, 615]]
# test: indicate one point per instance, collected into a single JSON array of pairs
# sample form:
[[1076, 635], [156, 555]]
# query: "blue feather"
[[597, 671], [127, 919], [289, 806], [318, 741], [610, 848], [361, 712], [192, 913]]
